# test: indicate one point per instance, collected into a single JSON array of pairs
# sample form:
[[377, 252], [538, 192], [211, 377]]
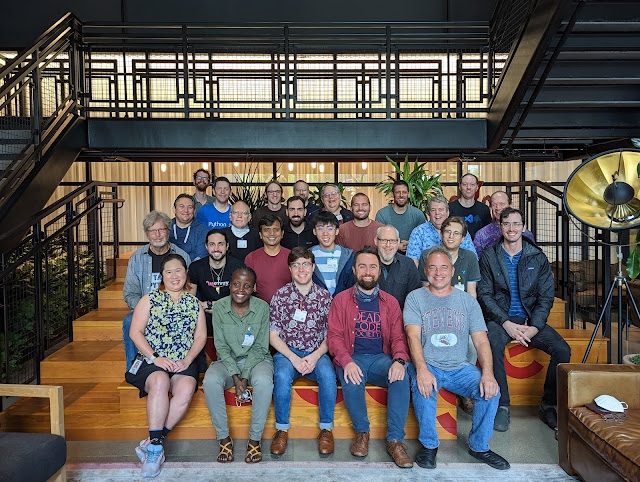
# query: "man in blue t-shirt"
[[516, 292], [216, 215]]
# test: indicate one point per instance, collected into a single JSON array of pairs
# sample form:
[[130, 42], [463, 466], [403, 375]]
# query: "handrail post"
[[5, 321], [71, 275], [388, 70], [38, 302], [287, 92], [36, 105], [93, 229], [566, 259]]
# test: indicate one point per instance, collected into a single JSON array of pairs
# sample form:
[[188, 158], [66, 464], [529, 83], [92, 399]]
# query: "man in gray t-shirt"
[[438, 320]]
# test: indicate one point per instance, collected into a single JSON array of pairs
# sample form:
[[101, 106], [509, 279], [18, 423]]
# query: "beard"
[[212, 256], [367, 285], [295, 221]]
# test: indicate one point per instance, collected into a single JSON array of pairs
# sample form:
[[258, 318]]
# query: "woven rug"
[[316, 471]]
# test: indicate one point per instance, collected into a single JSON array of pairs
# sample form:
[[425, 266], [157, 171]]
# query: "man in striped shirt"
[[333, 262]]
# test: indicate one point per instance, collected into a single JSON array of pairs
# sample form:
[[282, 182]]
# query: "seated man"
[[210, 279], [438, 320], [187, 233], [368, 345], [516, 292], [298, 315], [143, 271], [427, 234], [361, 230], [333, 262], [270, 261], [297, 230], [399, 275], [241, 335], [489, 235], [242, 239]]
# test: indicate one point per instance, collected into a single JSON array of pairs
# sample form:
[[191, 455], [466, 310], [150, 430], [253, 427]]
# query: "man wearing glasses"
[[490, 235], [201, 180], [333, 262], [331, 203], [216, 215], [516, 292], [298, 316], [399, 275], [242, 239], [301, 188], [297, 231], [143, 271], [273, 193]]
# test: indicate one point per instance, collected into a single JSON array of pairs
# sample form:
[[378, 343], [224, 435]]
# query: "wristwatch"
[[153, 357], [399, 360]]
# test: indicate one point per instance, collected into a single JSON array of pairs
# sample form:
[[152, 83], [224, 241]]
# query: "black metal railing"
[[38, 99], [53, 276]]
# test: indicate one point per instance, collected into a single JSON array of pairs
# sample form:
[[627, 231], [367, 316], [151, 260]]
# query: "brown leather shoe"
[[398, 452], [360, 445], [325, 442], [279, 442]]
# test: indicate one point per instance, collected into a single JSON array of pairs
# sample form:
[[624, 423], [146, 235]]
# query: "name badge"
[[300, 315], [242, 244], [339, 217], [459, 286], [248, 340], [332, 263]]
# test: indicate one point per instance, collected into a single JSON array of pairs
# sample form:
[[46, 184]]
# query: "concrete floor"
[[528, 441]]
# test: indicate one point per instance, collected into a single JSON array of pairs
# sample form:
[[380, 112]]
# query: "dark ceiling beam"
[[544, 23], [387, 136]]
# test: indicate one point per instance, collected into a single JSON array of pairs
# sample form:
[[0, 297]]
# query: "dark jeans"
[[548, 340]]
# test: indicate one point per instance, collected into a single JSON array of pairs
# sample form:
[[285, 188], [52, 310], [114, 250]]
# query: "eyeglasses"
[[329, 229], [331, 194], [202, 178], [387, 241], [449, 232], [157, 231], [305, 265], [508, 225], [243, 213], [277, 191]]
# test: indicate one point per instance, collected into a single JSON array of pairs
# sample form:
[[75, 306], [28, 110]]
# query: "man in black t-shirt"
[[474, 213], [242, 239], [210, 277]]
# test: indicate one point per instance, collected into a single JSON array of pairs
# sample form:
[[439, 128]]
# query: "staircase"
[[99, 405]]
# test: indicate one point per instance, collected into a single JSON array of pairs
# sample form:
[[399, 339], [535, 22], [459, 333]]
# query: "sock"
[[155, 436], [165, 431]]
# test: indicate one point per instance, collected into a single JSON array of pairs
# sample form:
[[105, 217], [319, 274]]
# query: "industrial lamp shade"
[[604, 191]]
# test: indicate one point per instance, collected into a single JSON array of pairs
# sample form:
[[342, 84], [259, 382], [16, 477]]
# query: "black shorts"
[[139, 379]]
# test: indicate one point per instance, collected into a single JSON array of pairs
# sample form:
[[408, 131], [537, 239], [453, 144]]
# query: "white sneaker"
[[141, 450], [153, 460]]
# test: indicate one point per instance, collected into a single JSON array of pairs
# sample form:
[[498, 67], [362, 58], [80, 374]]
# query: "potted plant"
[[422, 186], [631, 359]]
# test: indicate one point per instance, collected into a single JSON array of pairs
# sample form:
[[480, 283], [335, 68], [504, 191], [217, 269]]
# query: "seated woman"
[[169, 330], [241, 337]]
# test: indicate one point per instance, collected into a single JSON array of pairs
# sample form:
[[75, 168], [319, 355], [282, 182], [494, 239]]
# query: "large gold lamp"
[[604, 192]]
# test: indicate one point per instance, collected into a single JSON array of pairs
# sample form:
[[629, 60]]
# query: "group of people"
[[398, 302]]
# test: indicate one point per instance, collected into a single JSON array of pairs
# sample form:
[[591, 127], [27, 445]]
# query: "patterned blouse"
[[171, 326], [305, 336]]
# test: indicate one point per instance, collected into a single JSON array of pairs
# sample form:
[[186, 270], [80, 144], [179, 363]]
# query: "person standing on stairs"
[[187, 232], [168, 329], [143, 270]]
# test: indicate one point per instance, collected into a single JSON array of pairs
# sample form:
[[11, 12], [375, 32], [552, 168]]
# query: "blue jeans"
[[375, 370], [466, 382], [130, 350], [285, 374]]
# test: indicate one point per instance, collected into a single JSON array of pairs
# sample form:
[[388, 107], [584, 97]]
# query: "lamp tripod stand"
[[619, 280]]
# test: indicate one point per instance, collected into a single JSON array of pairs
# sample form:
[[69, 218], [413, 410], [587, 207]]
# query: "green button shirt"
[[229, 332]]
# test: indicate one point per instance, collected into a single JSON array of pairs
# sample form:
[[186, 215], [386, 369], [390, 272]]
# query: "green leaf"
[[637, 168], [633, 264]]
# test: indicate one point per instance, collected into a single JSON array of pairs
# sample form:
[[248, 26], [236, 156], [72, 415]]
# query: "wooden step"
[[86, 360], [100, 324], [111, 292], [304, 416]]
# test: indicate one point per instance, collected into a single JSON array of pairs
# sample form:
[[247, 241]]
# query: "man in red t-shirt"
[[270, 262]]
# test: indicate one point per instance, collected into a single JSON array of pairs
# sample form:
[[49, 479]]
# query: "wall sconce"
[[321, 167], [313, 165], [290, 166], [364, 166]]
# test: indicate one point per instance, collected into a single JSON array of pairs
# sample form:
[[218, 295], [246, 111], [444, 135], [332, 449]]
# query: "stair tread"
[[88, 351]]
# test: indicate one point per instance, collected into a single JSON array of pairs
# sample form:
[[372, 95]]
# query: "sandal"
[[226, 451], [254, 453]]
